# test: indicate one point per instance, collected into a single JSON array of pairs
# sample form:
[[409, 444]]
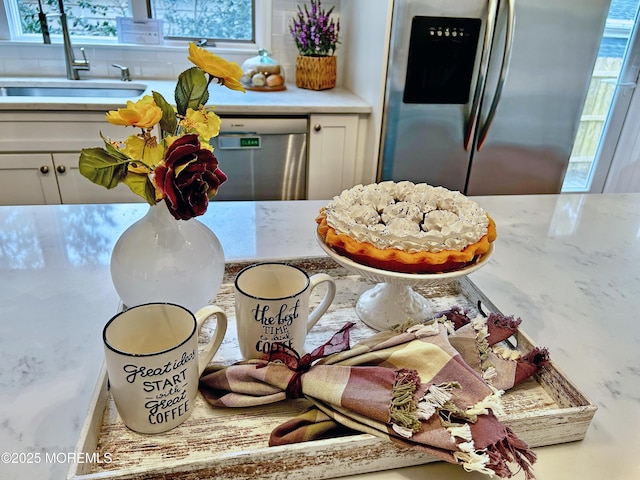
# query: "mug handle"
[[317, 312], [212, 347]]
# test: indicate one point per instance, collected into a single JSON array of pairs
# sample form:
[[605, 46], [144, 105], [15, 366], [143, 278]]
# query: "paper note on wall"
[[140, 31]]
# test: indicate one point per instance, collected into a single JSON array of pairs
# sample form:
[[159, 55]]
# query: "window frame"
[[262, 30]]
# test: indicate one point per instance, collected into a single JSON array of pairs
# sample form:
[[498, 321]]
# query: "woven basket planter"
[[316, 73]]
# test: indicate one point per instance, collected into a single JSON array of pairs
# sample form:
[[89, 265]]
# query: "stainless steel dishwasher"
[[264, 158]]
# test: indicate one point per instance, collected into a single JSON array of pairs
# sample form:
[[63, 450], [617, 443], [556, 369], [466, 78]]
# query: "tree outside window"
[[226, 20], [216, 20]]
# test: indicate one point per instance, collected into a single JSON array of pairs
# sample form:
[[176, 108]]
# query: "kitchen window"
[[227, 21]]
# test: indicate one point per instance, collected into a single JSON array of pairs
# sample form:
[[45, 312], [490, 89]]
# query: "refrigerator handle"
[[472, 121], [482, 74], [504, 68]]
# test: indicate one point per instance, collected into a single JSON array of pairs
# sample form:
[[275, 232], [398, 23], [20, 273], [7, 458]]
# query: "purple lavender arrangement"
[[315, 33]]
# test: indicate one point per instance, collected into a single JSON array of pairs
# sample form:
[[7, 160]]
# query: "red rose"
[[188, 177]]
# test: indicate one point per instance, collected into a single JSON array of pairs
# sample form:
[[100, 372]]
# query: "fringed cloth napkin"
[[412, 388], [477, 342]]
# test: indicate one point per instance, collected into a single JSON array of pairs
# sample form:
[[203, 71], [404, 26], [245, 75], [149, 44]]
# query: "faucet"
[[73, 65], [124, 72], [42, 17]]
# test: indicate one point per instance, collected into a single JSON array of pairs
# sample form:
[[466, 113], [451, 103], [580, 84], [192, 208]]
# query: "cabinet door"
[[28, 179], [74, 188], [56, 131], [333, 142]]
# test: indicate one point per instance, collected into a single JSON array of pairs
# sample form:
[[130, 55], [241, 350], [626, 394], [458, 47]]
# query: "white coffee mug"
[[272, 307], [153, 363]]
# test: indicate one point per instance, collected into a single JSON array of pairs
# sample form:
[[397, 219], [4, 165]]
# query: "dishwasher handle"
[[263, 125]]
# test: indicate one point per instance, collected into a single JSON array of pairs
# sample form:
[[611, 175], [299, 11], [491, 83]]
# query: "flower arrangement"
[[180, 167], [315, 33]]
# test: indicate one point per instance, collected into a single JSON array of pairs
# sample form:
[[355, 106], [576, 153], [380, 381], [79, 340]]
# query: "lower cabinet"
[[74, 188], [45, 178], [42, 167], [28, 179], [49, 174], [333, 145]]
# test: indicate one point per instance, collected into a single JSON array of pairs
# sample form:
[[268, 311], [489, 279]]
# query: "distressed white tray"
[[232, 443]]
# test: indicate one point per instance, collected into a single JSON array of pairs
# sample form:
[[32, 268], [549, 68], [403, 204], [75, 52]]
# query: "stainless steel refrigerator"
[[485, 96]]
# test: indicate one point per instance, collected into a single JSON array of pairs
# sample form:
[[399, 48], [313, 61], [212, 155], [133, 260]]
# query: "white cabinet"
[[74, 188], [40, 153], [44, 178], [28, 179], [333, 161], [23, 132]]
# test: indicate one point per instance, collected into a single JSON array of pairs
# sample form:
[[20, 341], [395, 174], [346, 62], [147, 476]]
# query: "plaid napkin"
[[477, 342], [412, 388]]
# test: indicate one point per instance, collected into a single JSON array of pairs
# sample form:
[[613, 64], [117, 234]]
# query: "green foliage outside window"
[[84, 17], [191, 19], [222, 19]]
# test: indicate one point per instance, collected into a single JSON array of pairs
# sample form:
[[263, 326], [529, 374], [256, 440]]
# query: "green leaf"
[[169, 122], [102, 167], [140, 184], [113, 151], [191, 90]]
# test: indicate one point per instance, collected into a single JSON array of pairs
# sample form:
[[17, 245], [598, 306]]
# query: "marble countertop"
[[568, 265], [292, 101]]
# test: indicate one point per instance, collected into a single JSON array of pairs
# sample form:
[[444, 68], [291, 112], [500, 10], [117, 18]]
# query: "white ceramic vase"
[[161, 259]]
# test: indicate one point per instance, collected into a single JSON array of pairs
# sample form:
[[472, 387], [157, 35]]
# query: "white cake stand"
[[392, 301]]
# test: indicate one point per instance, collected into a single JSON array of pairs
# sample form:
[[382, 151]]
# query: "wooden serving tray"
[[232, 443]]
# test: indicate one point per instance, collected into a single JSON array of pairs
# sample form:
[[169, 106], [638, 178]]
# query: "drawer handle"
[[44, 169], [61, 168], [317, 127]]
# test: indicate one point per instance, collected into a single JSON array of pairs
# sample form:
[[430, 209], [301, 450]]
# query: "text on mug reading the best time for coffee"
[[276, 327]]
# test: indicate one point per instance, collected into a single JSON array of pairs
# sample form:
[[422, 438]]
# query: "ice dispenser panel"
[[442, 53]]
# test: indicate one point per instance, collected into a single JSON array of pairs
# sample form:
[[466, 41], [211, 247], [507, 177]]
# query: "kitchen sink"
[[84, 91]]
